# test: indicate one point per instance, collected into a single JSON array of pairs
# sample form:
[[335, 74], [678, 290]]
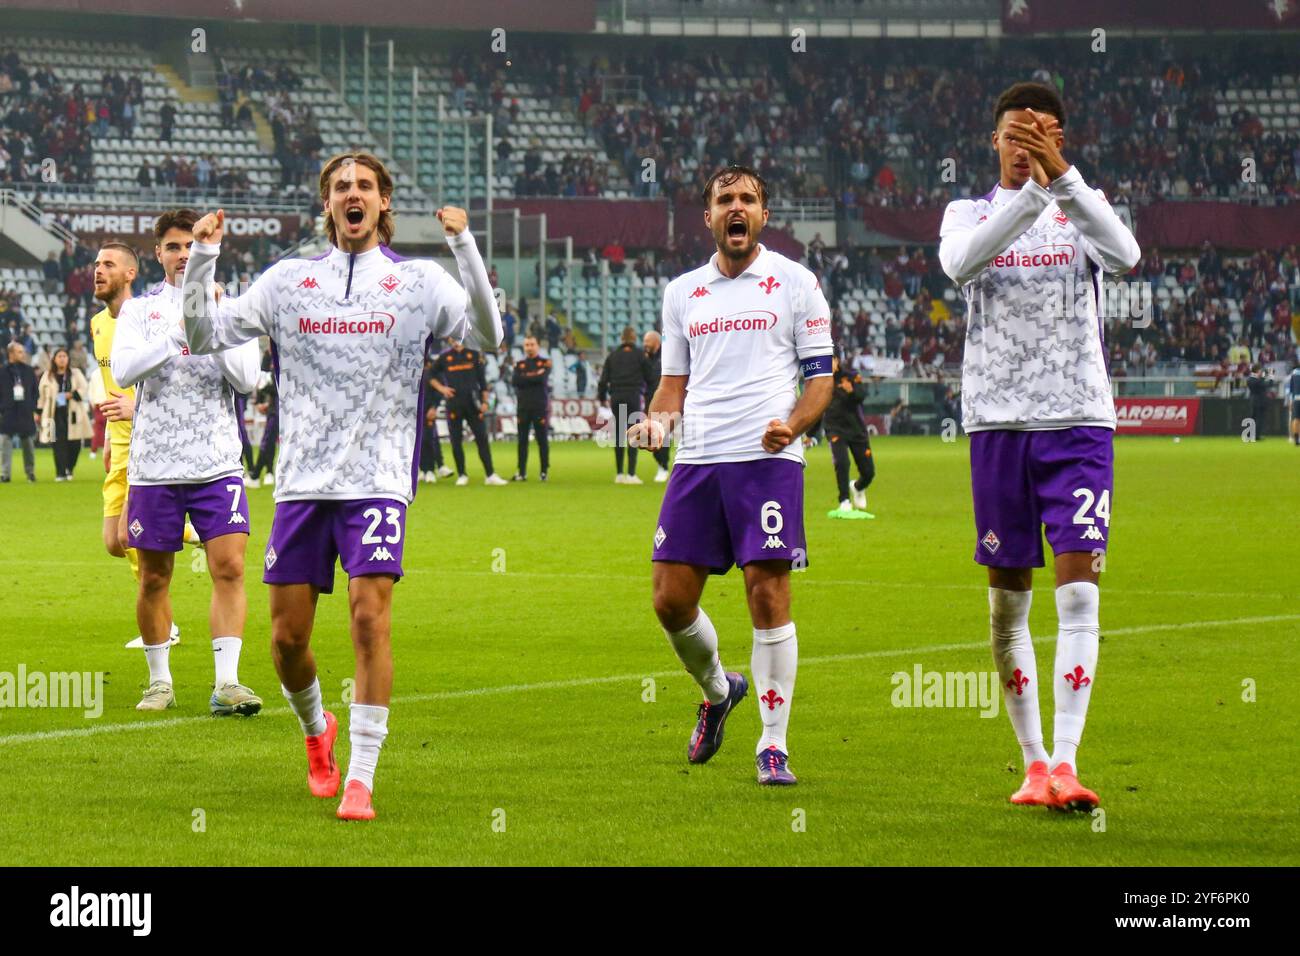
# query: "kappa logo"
[[981, 219], [236, 518], [136, 528], [991, 542], [773, 541], [155, 316], [389, 282], [768, 284], [699, 293], [660, 537], [308, 283], [1062, 218], [270, 558], [1092, 533], [382, 554]]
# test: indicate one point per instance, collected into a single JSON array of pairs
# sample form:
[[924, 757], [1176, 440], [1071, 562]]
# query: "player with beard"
[[737, 333], [350, 332]]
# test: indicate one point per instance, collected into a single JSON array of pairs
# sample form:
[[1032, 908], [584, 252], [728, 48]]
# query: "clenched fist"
[[777, 436], [211, 227], [454, 219]]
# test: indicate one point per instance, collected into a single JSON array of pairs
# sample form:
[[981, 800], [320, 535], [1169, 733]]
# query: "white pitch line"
[[71, 732]]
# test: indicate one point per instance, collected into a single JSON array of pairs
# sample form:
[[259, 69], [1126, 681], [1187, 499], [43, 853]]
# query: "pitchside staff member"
[[654, 359], [464, 385], [268, 403], [432, 466], [846, 433], [532, 398], [623, 382]]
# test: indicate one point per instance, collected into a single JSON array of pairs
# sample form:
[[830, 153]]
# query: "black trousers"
[[533, 418], [457, 417], [430, 448], [266, 452], [860, 453], [66, 451], [624, 407], [661, 458]]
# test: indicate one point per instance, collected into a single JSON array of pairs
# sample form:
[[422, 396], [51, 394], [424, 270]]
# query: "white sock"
[[158, 656], [1013, 654], [307, 707], [774, 662], [697, 648], [1077, 611], [367, 730], [225, 656]]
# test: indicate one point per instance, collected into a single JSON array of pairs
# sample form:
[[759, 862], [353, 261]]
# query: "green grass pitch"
[[524, 637]]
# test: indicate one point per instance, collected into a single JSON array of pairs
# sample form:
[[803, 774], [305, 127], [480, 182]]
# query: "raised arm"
[[967, 245], [135, 356], [212, 325], [475, 314]]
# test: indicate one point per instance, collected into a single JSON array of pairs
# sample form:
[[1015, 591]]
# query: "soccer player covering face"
[[185, 459], [350, 332], [737, 332], [1036, 400]]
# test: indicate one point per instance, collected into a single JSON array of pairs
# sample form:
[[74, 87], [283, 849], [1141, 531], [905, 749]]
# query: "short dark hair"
[[123, 247], [1030, 96], [729, 175], [174, 219]]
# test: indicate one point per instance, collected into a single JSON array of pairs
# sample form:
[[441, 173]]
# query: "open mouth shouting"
[[737, 227], [355, 215]]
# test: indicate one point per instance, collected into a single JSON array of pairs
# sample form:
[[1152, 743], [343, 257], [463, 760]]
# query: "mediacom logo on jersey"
[[1039, 257], [749, 321], [360, 323]]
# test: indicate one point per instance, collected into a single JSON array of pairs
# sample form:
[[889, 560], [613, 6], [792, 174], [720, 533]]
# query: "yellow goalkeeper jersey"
[[102, 327]]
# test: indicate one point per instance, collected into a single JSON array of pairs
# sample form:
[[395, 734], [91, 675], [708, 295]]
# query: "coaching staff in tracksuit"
[[532, 383], [458, 374]]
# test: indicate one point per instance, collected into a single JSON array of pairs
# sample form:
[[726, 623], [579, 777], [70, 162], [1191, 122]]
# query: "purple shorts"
[[1023, 481], [732, 512], [307, 537], [155, 514]]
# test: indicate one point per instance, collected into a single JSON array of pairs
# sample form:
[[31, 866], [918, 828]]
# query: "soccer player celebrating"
[[532, 397], [185, 459], [350, 332], [737, 331], [116, 267], [1036, 401]]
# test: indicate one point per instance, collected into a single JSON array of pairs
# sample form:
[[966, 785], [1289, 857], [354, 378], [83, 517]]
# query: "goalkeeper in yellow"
[[116, 267]]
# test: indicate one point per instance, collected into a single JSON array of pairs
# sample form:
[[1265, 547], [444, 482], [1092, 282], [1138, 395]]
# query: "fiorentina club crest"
[[660, 537], [136, 528], [389, 282], [768, 284], [991, 542], [270, 558]]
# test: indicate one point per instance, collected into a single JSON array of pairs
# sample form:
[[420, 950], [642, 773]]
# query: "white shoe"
[[175, 638], [444, 472], [427, 477], [92, 456], [462, 481], [846, 505], [620, 479], [632, 480], [251, 482], [269, 479], [859, 498], [495, 480], [661, 475]]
